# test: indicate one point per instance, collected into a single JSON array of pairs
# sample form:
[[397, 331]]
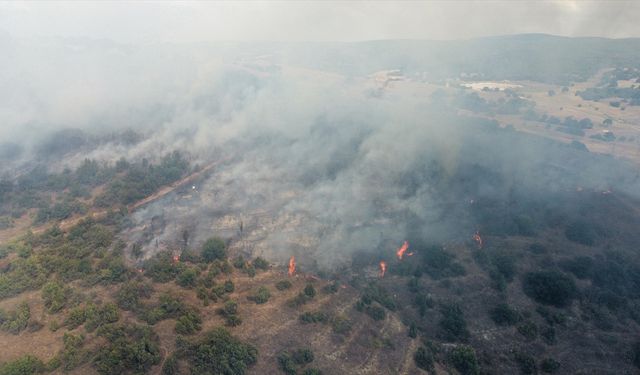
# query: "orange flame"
[[176, 258], [292, 265], [383, 268], [478, 239], [402, 249]]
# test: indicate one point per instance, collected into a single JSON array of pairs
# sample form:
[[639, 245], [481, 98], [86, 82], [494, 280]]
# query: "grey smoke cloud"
[[144, 22]]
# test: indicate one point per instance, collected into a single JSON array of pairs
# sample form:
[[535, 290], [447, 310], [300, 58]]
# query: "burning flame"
[[478, 239], [292, 265], [402, 249], [176, 258], [383, 268]]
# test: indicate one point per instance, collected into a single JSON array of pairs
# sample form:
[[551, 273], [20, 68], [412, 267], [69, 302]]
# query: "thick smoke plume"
[[309, 163]]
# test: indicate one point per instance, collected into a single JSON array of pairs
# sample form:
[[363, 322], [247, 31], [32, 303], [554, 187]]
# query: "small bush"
[[55, 296], [331, 288], [261, 263], [170, 366], [302, 356], [537, 248], [549, 365], [188, 323], [453, 325], [548, 335], [97, 316], [17, 320], [529, 330], [25, 365], [299, 300], [314, 317], [220, 353], [463, 358], [187, 278], [283, 284], [504, 315], [261, 296], [549, 287], [581, 232], [312, 371], [424, 359], [129, 295], [214, 248], [341, 325], [130, 349], [286, 364], [375, 312], [526, 363], [310, 291]]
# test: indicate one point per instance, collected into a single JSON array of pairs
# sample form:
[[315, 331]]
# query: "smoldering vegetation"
[[304, 162]]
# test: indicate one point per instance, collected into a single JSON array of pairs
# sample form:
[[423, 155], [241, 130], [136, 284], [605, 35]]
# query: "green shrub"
[[423, 303], [129, 349], [16, 320], [581, 232], [239, 262], [229, 287], [581, 267], [97, 316], [168, 307], [213, 249], [526, 363], [376, 293], [537, 248], [529, 330], [549, 287], [549, 365], [25, 365], [341, 325], [230, 312], [375, 312], [438, 263], [413, 330], [314, 317], [331, 288], [299, 300], [635, 354], [310, 291], [312, 371], [260, 263], [504, 315], [261, 296], [424, 359], [286, 364], [464, 360], [71, 355], [233, 320], [548, 335], [283, 284], [129, 295], [187, 278], [161, 268], [453, 325], [188, 323], [221, 353], [505, 264], [302, 356], [77, 316], [170, 366]]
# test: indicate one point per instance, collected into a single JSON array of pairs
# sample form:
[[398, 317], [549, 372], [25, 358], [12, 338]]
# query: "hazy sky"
[[316, 21]]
